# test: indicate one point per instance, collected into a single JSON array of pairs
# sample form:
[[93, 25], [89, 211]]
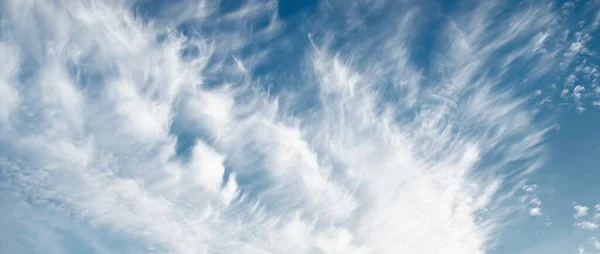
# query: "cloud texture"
[[205, 127]]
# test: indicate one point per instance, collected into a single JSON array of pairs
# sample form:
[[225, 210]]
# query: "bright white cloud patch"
[[580, 211], [536, 211], [208, 127]]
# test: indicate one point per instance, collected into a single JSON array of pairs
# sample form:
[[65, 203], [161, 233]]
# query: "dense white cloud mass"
[[178, 129]]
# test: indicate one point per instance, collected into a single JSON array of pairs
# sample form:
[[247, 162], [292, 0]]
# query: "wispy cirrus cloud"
[[153, 123]]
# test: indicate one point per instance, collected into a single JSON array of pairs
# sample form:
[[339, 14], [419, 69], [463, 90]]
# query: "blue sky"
[[264, 126]]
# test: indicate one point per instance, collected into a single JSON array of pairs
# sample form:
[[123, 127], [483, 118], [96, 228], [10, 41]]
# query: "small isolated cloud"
[[578, 92], [586, 225], [576, 46], [536, 211], [580, 211], [578, 89]]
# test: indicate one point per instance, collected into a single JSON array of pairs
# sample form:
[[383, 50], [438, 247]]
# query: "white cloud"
[[580, 211], [576, 46], [531, 200], [529, 188], [121, 130], [206, 166], [586, 225], [536, 211]]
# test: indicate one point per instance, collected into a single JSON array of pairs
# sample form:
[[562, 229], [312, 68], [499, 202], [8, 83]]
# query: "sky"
[[317, 126]]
